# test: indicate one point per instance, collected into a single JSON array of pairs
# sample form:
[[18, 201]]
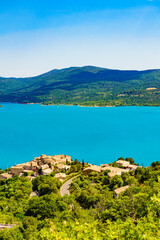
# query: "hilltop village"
[[43, 165], [60, 164]]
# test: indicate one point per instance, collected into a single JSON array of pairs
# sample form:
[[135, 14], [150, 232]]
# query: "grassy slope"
[[85, 86]]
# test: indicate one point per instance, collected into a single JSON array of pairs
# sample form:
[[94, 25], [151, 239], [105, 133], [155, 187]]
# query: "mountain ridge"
[[87, 85], [76, 67]]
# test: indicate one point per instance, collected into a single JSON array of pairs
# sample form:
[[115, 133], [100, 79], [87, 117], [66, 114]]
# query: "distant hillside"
[[85, 86]]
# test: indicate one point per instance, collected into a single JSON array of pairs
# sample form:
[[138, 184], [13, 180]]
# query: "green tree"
[[83, 164], [116, 182], [130, 160], [121, 158]]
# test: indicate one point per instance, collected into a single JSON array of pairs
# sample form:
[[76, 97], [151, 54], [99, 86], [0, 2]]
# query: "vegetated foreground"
[[107, 202], [86, 86]]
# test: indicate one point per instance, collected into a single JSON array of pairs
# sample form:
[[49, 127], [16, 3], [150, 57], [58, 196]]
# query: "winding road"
[[65, 187]]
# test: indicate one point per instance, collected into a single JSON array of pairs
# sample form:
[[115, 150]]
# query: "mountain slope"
[[85, 86]]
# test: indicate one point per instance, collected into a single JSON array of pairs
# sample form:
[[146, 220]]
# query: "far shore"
[[77, 105], [42, 104]]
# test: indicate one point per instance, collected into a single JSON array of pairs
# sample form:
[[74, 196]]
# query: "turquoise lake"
[[96, 134]]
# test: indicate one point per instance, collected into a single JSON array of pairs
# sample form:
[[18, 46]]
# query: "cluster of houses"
[[124, 166], [41, 165]]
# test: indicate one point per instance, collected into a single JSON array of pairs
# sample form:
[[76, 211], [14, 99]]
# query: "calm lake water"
[[97, 135]]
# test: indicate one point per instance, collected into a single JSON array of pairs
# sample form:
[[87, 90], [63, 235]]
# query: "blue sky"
[[37, 36]]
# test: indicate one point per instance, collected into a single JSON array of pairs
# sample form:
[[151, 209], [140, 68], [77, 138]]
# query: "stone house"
[[127, 165], [91, 168], [119, 190], [17, 169], [4, 176], [117, 171], [47, 171], [60, 176], [123, 163]]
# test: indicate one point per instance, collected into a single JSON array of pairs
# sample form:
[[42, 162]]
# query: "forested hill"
[[85, 86]]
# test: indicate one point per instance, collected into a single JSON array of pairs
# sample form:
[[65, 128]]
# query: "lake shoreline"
[[76, 105]]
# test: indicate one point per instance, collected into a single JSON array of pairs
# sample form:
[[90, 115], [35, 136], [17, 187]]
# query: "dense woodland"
[[90, 212], [87, 86]]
